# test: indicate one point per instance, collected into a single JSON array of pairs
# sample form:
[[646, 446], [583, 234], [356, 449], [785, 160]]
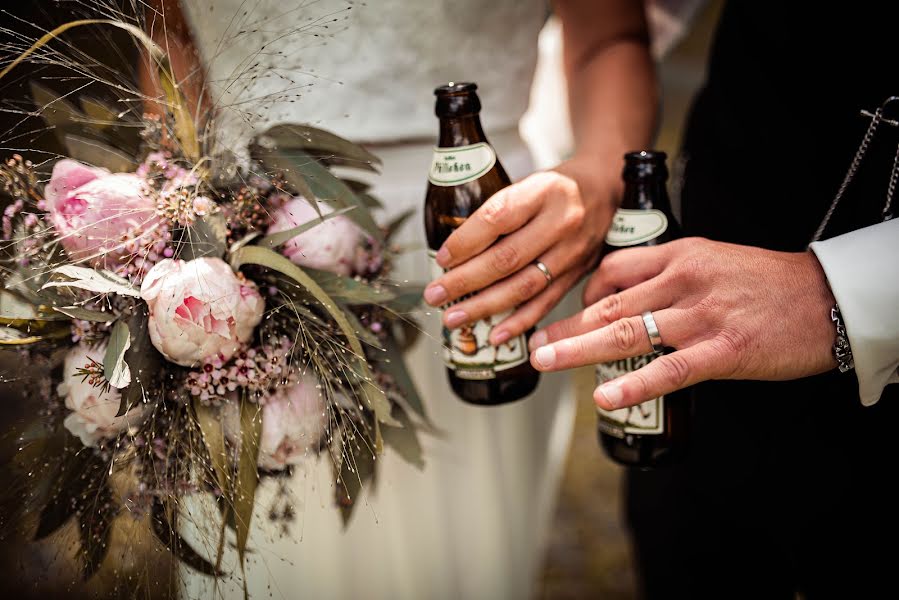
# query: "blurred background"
[[588, 551]]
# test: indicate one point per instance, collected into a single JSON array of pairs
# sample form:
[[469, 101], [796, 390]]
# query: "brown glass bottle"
[[655, 433], [464, 174]]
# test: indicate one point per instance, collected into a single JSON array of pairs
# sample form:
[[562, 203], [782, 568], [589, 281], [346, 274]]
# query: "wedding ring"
[[545, 270], [653, 330]]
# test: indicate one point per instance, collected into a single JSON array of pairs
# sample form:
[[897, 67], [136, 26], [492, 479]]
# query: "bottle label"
[[643, 419], [455, 166], [468, 352], [631, 227]]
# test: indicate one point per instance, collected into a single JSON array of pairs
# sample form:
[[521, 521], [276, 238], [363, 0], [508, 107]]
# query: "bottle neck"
[[461, 131], [645, 194]]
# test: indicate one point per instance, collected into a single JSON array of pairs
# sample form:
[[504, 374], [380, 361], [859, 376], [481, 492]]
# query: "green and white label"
[[643, 419], [455, 166], [467, 350], [631, 227]]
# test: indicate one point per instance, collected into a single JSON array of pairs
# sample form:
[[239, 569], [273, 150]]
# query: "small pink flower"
[[202, 206], [94, 211], [337, 245], [93, 412], [200, 310]]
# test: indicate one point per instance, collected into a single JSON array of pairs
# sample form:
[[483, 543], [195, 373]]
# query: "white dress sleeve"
[[862, 268]]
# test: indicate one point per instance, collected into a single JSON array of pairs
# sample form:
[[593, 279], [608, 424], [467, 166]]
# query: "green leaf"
[[164, 524], [404, 440], [349, 291], [102, 114], [115, 369], [322, 184], [185, 128], [77, 470], [406, 298], [276, 162], [276, 239], [393, 363], [211, 426], [206, 237], [95, 529], [357, 467], [319, 143], [18, 312], [103, 282], [394, 226], [99, 154], [374, 397], [77, 312], [247, 472], [15, 337], [144, 362]]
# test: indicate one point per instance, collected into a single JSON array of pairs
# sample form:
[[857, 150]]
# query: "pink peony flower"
[[93, 416], [293, 421], [94, 210], [338, 245], [199, 309]]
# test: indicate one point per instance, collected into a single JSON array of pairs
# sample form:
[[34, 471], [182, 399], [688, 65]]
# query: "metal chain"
[[853, 167]]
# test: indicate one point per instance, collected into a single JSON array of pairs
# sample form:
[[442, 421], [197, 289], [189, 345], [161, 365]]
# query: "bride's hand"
[[558, 217]]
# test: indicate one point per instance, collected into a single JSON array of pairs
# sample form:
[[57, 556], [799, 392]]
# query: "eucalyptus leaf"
[[406, 298], [393, 363], [278, 238], [211, 426], [247, 472], [374, 396], [164, 523], [185, 128], [144, 362], [102, 114], [103, 282], [319, 143], [207, 237], [404, 440], [99, 154], [350, 291], [15, 337], [58, 112], [115, 369], [357, 468], [20, 313], [397, 223], [84, 314], [76, 472], [321, 183], [276, 162], [95, 529]]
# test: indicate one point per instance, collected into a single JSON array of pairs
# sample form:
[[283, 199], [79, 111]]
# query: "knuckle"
[[504, 258], [574, 218], [609, 308], [624, 333], [527, 288], [732, 348], [456, 283], [494, 211], [675, 369]]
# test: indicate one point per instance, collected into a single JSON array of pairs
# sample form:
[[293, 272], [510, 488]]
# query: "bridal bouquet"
[[198, 323]]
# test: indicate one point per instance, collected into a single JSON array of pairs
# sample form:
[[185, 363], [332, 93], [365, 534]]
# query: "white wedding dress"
[[471, 523]]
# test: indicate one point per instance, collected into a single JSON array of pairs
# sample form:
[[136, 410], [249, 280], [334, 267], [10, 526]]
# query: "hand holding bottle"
[[558, 217], [731, 312]]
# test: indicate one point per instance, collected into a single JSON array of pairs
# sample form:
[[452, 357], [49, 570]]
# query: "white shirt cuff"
[[862, 268]]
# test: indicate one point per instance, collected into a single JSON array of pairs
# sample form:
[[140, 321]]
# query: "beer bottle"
[[654, 433], [464, 173]]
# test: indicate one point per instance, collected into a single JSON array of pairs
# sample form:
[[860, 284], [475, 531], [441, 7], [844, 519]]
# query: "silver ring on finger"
[[652, 329], [545, 270]]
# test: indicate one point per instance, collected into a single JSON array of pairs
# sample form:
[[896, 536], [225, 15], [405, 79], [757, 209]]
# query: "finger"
[[529, 314], [664, 375], [624, 269], [504, 258], [622, 339], [654, 294], [504, 212], [514, 290]]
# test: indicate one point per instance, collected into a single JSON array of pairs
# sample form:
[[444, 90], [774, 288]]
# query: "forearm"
[[612, 87]]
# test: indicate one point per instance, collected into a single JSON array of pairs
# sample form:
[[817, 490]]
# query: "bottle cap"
[[645, 164], [457, 99]]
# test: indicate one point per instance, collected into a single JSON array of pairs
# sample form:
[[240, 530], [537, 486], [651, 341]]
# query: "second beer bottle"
[[464, 173], [655, 433]]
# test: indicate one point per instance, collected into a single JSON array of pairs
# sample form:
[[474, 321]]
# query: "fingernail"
[[456, 318], [538, 339], [612, 393], [443, 256], [436, 295], [500, 337], [545, 356]]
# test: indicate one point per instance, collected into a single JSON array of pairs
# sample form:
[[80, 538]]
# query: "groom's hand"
[[558, 217]]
